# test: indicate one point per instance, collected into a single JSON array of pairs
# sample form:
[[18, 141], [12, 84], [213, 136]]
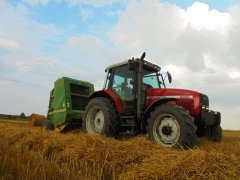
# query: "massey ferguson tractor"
[[135, 100]]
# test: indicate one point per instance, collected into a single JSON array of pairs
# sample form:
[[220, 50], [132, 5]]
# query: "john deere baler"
[[67, 103]]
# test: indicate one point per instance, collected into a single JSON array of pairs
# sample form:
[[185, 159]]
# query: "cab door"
[[121, 83]]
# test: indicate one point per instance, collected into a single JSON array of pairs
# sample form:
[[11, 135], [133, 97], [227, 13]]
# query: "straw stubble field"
[[27, 152]]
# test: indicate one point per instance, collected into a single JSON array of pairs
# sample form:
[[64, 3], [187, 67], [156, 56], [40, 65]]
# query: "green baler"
[[67, 103]]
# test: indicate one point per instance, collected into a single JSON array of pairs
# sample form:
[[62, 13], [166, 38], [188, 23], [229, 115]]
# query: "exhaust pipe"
[[139, 88]]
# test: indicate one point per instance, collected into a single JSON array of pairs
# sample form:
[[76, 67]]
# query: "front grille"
[[78, 89], [78, 102], [204, 100]]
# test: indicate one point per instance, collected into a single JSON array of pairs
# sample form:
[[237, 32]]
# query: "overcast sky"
[[42, 40]]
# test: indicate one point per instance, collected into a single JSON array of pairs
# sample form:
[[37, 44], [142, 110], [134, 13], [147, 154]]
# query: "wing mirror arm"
[[169, 77]]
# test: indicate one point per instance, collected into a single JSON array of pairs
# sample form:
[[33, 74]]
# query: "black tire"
[[214, 133], [172, 126], [201, 130], [101, 117], [47, 125]]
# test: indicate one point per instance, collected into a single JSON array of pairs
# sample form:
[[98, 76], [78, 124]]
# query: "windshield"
[[152, 80]]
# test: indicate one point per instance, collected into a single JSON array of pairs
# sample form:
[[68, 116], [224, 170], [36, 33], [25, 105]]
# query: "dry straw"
[[31, 152], [36, 119]]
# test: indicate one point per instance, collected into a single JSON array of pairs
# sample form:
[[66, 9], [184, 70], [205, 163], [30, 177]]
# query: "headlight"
[[205, 107]]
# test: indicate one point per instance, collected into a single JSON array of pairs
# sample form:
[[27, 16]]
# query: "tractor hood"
[[189, 99], [174, 93]]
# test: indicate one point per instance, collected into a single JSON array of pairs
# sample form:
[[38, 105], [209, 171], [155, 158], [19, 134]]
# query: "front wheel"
[[214, 133], [171, 126], [101, 117]]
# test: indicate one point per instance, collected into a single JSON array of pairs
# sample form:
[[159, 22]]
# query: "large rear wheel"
[[171, 126], [101, 117]]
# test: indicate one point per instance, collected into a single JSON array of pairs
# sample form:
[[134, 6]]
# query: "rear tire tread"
[[111, 119]]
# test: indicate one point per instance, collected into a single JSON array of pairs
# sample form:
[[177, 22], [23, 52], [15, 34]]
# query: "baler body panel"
[[68, 100]]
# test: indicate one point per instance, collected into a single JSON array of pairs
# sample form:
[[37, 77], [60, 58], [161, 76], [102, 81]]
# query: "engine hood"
[[174, 93], [189, 99]]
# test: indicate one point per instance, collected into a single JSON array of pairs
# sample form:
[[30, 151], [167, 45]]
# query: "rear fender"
[[111, 95], [147, 112]]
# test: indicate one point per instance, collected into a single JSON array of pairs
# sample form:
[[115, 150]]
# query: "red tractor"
[[135, 100]]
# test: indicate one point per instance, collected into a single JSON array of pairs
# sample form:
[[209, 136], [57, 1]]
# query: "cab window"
[[151, 80], [121, 82]]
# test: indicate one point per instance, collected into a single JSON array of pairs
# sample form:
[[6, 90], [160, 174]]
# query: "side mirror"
[[169, 77]]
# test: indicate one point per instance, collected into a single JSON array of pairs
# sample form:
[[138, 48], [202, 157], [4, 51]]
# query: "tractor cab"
[[122, 79]]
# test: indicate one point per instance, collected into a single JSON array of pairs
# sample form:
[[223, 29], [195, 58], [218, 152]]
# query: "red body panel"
[[113, 96], [190, 100]]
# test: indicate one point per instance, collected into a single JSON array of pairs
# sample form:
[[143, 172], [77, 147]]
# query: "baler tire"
[[47, 125], [101, 107], [171, 126]]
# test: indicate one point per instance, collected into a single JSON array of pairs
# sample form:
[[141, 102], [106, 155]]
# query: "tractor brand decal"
[[167, 97]]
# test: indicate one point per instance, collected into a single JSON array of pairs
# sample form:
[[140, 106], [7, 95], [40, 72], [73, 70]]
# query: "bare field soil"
[[27, 152]]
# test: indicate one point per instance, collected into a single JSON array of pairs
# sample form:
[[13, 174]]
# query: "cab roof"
[[146, 65]]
